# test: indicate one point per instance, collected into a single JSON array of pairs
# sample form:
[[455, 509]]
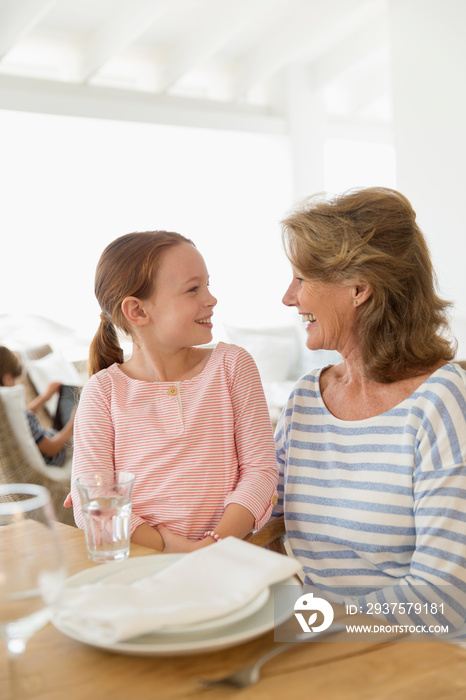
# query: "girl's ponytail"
[[105, 348]]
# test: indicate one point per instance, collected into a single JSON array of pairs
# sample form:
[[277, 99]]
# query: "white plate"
[[139, 570], [257, 621]]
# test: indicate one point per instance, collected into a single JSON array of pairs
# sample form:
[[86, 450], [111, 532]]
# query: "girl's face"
[[8, 379], [327, 309], [181, 306]]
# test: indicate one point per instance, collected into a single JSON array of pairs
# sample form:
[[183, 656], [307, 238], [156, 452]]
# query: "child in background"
[[191, 422], [51, 444]]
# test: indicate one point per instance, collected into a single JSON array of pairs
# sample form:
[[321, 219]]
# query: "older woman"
[[372, 451]]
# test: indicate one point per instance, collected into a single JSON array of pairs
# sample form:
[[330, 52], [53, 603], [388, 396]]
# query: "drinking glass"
[[106, 508], [32, 570]]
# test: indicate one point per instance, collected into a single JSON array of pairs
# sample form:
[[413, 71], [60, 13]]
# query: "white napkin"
[[200, 586]]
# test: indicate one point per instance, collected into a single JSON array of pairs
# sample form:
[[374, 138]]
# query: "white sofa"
[[282, 358], [280, 353]]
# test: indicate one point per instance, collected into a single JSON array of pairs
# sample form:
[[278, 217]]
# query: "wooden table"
[[59, 668]]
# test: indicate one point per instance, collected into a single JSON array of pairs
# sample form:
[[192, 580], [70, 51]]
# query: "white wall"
[[71, 185], [428, 50]]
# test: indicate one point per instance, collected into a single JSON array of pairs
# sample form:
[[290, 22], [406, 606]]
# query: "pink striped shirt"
[[195, 445]]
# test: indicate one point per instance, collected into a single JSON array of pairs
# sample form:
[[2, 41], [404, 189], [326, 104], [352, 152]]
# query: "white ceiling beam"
[[372, 85], [313, 30], [53, 97], [16, 22], [365, 130], [223, 22], [353, 49], [368, 93], [126, 23]]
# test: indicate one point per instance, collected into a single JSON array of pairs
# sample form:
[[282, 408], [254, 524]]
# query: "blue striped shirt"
[[375, 509]]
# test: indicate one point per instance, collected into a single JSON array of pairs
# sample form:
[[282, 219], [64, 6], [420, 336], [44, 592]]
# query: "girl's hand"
[[177, 543], [53, 388], [37, 403]]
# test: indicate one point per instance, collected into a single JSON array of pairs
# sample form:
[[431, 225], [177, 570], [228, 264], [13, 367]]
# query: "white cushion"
[[21, 332], [52, 368], [313, 359], [13, 399], [276, 351]]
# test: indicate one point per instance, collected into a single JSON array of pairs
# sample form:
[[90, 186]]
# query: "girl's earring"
[[355, 302]]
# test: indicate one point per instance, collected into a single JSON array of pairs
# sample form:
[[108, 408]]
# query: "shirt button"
[[173, 391], [274, 499]]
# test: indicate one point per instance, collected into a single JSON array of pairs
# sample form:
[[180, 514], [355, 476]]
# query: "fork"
[[248, 675]]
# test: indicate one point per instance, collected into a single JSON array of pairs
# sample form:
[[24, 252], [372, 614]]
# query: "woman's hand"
[[175, 544]]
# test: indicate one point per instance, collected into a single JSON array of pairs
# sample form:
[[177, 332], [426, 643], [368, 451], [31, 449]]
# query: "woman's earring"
[[355, 302]]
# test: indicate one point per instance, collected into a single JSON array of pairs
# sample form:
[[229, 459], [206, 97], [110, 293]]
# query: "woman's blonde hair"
[[371, 235], [127, 267]]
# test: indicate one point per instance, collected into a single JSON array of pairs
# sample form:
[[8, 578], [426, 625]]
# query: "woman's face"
[[327, 309], [181, 305]]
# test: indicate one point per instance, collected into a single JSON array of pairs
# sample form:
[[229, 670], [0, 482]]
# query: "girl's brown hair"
[[9, 364], [127, 267], [371, 235]]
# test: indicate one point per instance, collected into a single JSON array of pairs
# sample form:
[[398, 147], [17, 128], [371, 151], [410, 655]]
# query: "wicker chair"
[[15, 468], [270, 535]]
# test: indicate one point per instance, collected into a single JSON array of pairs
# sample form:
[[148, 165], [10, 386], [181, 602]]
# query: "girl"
[[52, 444], [191, 422]]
